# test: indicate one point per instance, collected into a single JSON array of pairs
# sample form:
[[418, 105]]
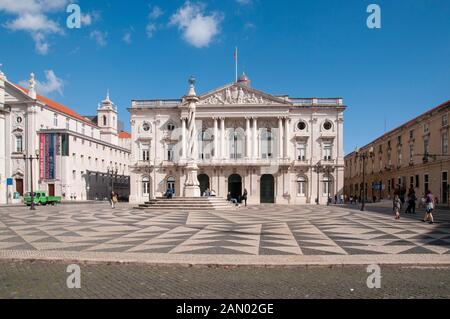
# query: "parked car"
[[40, 198]]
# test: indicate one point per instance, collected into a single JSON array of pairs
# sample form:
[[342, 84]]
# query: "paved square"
[[255, 231]]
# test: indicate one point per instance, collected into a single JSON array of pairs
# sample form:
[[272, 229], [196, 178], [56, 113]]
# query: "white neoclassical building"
[[280, 149], [80, 157]]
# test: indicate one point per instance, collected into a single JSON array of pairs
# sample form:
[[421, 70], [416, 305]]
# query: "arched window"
[[302, 186], [145, 186], [267, 143], [104, 120], [236, 139], [204, 145]]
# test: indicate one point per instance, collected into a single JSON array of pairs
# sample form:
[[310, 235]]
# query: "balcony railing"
[[155, 103], [317, 101]]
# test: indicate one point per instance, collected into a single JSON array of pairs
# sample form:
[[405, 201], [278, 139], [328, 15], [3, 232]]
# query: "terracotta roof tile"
[[124, 134], [59, 107]]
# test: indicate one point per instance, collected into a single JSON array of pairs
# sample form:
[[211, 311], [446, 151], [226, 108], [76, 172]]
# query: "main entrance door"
[[235, 186], [203, 179], [267, 189], [51, 189], [19, 186]]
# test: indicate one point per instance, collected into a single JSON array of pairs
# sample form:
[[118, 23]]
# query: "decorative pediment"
[[237, 95]]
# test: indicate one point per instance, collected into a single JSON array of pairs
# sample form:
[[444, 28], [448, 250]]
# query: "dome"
[[243, 79]]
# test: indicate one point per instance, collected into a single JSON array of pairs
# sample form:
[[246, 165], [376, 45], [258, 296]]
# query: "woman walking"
[[397, 206], [113, 200], [429, 202]]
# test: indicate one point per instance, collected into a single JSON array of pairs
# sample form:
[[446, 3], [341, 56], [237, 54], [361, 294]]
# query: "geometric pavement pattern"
[[258, 230]]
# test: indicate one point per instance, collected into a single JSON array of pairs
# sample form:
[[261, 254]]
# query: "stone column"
[[183, 134], [280, 137], [247, 138], [216, 136], [255, 138], [222, 138], [286, 138]]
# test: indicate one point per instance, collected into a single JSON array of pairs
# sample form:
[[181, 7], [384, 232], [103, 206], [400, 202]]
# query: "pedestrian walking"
[[113, 200], [411, 209], [244, 196], [397, 206], [430, 203]]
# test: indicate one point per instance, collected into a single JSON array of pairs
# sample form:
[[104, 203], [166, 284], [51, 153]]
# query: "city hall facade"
[[279, 149]]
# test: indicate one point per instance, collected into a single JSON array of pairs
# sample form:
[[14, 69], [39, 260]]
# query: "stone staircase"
[[187, 204]]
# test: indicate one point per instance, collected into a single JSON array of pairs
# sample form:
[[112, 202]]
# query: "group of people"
[[239, 199], [428, 200], [209, 193]]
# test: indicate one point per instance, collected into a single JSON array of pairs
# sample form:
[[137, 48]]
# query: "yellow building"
[[415, 153]]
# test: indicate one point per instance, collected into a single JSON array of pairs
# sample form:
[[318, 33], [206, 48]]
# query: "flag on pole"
[[236, 62]]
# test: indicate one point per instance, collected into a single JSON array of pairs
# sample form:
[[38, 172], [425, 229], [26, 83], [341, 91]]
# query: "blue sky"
[[148, 49]]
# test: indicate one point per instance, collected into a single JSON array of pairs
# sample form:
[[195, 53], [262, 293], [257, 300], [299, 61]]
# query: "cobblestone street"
[[48, 280]]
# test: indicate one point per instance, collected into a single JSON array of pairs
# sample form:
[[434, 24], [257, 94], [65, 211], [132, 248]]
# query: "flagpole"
[[236, 62]]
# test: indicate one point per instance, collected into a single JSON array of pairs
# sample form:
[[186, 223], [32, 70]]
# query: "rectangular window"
[[426, 146], [19, 144], [411, 153], [426, 185], [55, 120], [145, 152], [67, 124], [411, 134], [444, 143], [83, 129], [327, 152], [445, 120], [417, 181], [170, 152], [301, 152], [426, 128]]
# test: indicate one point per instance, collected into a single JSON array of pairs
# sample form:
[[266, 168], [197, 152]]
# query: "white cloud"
[[89, 18], [198, 28], [127, 35], [51, 85], [151, 27], [244, 2], [155, 13], [99, 37], [31, 16]]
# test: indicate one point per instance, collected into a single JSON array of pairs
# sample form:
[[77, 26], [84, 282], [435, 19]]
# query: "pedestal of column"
[[192, 186]]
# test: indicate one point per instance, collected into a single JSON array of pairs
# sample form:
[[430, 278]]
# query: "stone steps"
[[186, 203]]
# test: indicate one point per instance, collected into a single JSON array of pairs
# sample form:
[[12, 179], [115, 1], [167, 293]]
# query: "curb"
[[224, 260]]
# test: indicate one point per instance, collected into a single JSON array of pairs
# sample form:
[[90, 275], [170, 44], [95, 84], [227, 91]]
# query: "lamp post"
[[328, 170], [363, 157], [317, 169], [31, 158], [112, 172]]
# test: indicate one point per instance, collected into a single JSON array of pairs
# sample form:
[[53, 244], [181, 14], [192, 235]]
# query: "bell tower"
[[107, 121]]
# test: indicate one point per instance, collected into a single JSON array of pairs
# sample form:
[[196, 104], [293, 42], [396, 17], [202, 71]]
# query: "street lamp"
[[112, 173], [317, 169], [328, 170], [363, 157], [31, 158]]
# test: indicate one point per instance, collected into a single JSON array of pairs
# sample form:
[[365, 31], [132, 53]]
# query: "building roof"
[[59, 107], [124, 135], [408, 123]]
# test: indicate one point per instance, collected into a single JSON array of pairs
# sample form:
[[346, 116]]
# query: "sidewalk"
[[441, 214], [66, 202]]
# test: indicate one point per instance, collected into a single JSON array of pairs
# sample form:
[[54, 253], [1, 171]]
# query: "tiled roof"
[[124, 134], [59, 107]]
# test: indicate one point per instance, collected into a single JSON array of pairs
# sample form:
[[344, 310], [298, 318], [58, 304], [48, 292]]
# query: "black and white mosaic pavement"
[[262, 230]]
